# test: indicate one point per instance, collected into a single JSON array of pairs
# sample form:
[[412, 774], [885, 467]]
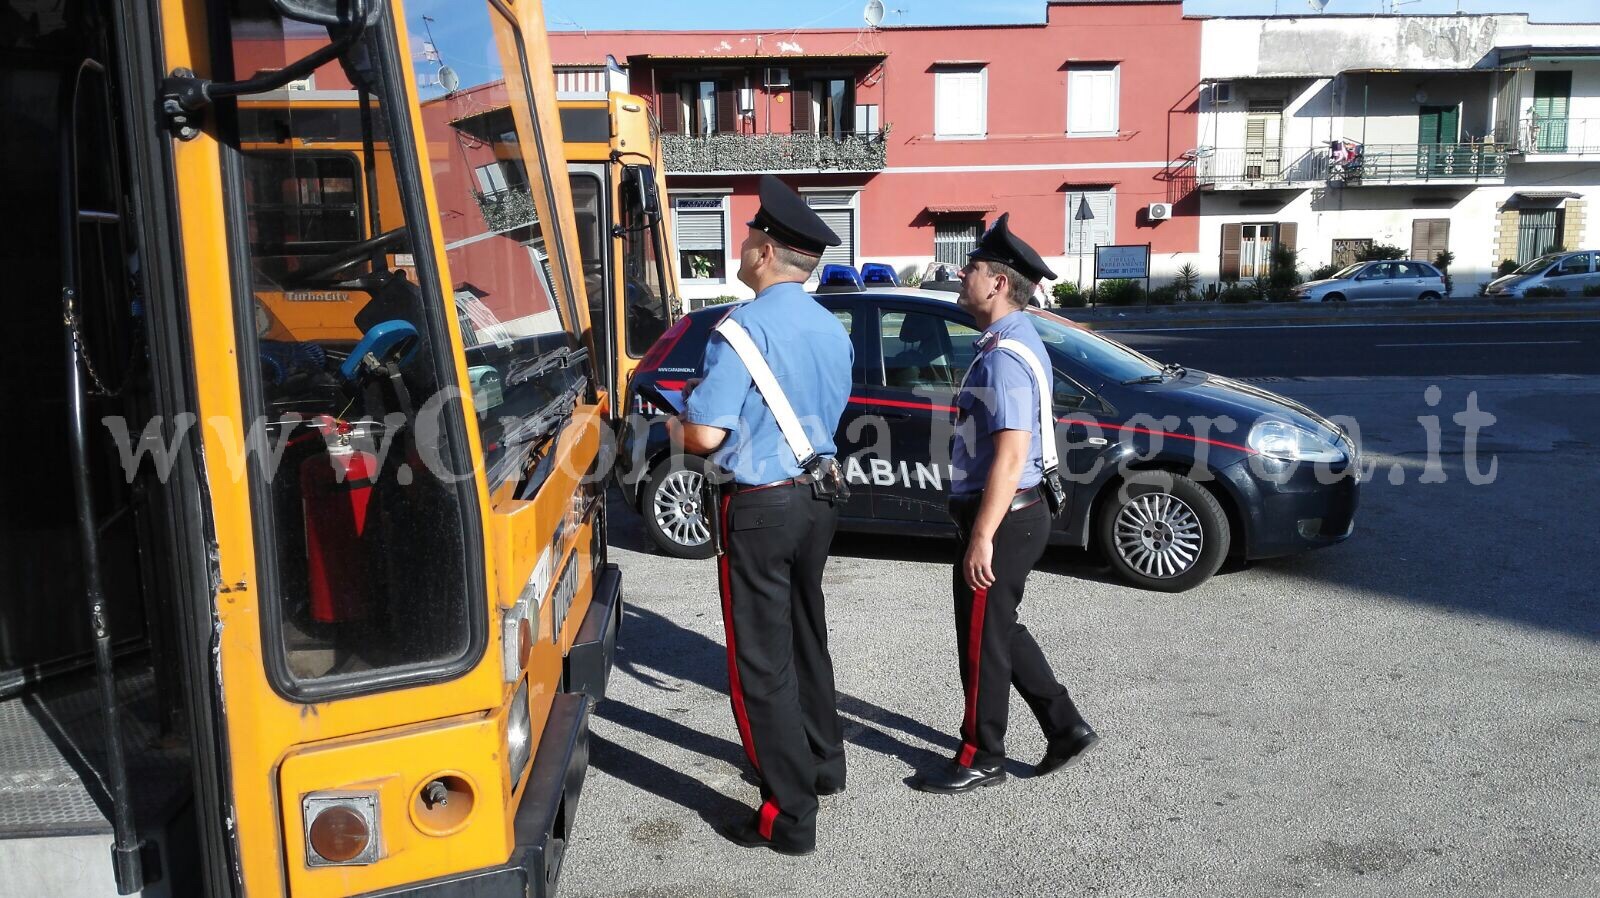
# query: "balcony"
[[757, 153], [1374, 164], [1558, 136], [508, 209]]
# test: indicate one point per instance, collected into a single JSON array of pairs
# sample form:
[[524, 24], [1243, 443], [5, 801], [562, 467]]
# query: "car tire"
[[670, 504], [1429, 296], [1162, 531], [1333, 297]]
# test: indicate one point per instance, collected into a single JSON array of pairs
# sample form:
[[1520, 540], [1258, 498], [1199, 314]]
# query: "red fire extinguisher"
[[336, 492]]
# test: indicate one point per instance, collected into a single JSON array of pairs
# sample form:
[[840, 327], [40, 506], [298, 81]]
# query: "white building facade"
[[1477, 134]]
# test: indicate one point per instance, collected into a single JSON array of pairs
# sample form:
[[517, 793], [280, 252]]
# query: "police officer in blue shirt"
[[776, 517], [1000, 507]]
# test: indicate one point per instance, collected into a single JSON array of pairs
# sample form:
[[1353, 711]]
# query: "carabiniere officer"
[[777, 517], [1004, 523]]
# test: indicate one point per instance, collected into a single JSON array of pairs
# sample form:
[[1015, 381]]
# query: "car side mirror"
[[641, 180]]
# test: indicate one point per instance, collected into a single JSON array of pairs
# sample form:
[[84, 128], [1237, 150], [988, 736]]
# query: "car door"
[[1376, 281], [1571, 274], [924, 350], [849, 437], [1414, 279]]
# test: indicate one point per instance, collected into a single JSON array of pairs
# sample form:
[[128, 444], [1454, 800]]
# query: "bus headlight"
[[341, 829], [519, 735]]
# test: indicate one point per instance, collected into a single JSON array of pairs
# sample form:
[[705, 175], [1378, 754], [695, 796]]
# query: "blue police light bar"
[[880, 273], [834, 275]]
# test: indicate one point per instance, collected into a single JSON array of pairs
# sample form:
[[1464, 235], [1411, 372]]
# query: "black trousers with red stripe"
[[996, 651], [779, 671]]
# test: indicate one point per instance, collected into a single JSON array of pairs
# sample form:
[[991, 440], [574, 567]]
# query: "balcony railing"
[[1558, 135], [775, 152], [506, 210], [1253, 168]]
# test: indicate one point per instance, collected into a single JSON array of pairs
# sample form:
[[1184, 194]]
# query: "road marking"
[[1287, 327], [1509, 343]]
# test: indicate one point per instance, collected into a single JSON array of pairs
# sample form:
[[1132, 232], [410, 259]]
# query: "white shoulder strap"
[[1047, 424], [767, 384]]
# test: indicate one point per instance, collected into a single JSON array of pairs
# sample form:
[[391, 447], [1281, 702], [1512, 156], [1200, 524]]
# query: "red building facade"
[[909, 140]]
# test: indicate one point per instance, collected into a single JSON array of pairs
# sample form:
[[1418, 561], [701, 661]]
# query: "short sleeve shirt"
[[810, 355], [999, 393]]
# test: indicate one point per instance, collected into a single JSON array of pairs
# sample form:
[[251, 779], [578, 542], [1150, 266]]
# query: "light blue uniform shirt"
[[998, 394], [809, 353]]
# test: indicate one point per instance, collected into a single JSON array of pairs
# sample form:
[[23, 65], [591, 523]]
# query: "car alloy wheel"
[[1159, 536], [673, 507]]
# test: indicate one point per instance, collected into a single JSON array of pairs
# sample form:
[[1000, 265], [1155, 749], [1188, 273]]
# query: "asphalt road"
[[1415, 712], [1347, 350]]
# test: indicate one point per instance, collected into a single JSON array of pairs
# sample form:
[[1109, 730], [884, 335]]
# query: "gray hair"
[[794, 259], [1021, 288]]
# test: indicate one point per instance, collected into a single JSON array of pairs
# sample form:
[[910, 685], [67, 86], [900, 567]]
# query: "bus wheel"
[[672, 507]]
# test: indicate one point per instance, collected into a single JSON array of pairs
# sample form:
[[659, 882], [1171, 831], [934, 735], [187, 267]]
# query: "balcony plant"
[[700, 265]]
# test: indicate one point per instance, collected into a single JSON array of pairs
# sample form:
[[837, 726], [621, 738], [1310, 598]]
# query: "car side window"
[[1417, 270], [1578, 264], [924, 350], [846, 318], [1067, 396]]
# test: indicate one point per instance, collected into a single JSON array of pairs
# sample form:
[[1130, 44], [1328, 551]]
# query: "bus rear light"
[[341, 829], [519, 735]]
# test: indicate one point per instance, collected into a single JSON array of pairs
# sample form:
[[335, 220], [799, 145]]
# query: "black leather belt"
[[967, 504], [802, 480]]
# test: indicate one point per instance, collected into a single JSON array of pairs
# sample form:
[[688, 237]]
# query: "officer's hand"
[[689, 385], [976, 566]]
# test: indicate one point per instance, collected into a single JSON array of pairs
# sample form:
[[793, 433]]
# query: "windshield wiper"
[[1146, 379]]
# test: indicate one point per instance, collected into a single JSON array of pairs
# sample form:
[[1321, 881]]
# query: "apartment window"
[[1538, 232], [697, 110], [1349, 250], [1091, 219], [1247, 248], [700, 224], [961, 101], [1429, 238], [952, 240], [838, 210], [832, 113], [1092, 101]]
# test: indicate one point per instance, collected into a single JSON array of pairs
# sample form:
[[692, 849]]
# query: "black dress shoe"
[[829, 790], [956, 779], [746, 835], [1065, 750]]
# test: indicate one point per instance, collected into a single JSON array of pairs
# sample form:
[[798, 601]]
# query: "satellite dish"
[[1317, 5], [449, 80], [873, 13]]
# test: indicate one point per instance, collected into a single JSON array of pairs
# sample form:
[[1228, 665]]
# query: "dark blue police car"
[[1169, 471]]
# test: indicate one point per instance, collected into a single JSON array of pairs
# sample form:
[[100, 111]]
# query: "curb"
[[1143, 320]]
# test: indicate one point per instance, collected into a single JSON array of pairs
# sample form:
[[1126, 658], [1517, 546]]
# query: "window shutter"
[[843, 223], [699, 230], [1232, 236], [1429, 238], [800, 115], [1084, 236], [669, 107], [727, 108], [1288, 233]]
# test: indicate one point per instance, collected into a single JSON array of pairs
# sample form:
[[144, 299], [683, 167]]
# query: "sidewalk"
[[1210, 314]]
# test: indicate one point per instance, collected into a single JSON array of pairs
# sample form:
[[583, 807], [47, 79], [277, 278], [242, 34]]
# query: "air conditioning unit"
[[776, 77], [1222, 93], [1159, 211]]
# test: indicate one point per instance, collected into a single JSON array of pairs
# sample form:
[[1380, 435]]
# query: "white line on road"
[[1508, 343]]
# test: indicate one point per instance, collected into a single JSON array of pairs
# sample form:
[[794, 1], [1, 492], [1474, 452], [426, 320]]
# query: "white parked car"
[[1399, 279]]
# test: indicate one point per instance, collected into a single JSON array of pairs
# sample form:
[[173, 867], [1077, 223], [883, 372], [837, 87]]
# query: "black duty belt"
[[967, 504]]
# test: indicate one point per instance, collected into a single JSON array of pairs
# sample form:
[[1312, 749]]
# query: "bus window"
[[642, 275], [493, 202], [364, 527], [589, 214]]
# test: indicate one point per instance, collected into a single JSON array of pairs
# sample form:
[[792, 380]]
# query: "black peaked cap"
[[785, 217], [998, 244]]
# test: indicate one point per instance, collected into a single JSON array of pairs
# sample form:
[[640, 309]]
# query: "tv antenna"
[[873, 14], [1317, 5], [449, 80]]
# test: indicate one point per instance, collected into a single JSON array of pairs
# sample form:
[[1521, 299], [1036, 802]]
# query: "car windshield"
[[1349, 271], [1538, 265], [1108, 358]]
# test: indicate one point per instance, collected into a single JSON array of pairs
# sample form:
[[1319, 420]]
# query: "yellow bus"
[[614, 158], [291, 606]]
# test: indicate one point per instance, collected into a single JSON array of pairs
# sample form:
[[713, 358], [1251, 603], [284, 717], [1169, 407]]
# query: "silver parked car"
[[1400, 279], [1569, 272]]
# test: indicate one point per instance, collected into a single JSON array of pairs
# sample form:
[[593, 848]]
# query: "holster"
[[1055, 492], [711, 492], [827, 480]]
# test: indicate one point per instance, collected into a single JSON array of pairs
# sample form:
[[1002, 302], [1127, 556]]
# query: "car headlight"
[[1286, 442]]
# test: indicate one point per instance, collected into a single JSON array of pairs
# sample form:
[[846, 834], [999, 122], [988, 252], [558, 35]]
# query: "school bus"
[[614, 158], [293, 602]]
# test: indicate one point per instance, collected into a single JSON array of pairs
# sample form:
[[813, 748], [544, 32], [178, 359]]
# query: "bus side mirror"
[[331, 13], [642, 180]]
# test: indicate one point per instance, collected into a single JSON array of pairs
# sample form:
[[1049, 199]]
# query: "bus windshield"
[[643, 274]]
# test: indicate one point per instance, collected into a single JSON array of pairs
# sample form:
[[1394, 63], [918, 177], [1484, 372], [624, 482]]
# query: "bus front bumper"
[[550, 800]]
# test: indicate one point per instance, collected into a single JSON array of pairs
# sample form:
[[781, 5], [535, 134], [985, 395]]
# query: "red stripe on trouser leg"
[[969, 724], [769, 813], [735, 689]]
